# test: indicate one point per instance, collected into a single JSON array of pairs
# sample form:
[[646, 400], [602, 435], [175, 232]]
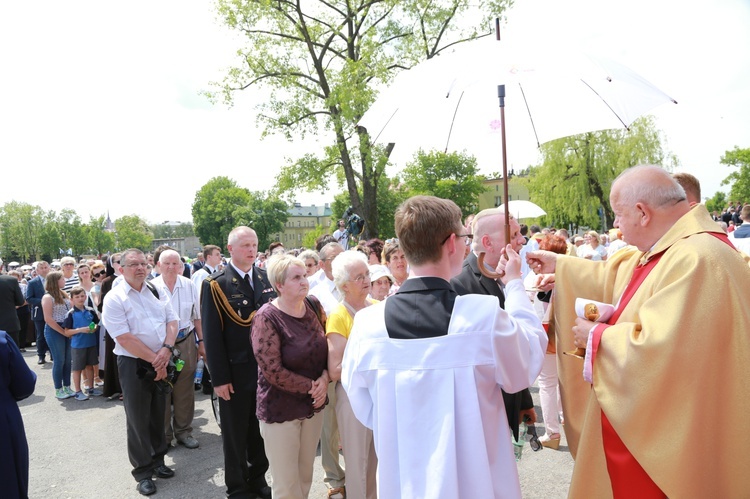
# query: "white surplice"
[[435, 405]]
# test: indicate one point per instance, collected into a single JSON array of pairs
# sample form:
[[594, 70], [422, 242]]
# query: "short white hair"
[[341, 265]]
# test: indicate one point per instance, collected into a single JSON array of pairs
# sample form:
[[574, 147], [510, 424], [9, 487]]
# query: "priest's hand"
[[509, 266], [581, 332], [224, 391], [541, 261]]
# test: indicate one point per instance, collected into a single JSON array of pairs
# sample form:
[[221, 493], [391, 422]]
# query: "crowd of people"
[[410, 360]]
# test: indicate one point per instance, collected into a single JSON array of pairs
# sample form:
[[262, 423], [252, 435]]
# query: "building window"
[[299, 237], [497, 187], [299, 224], [498, 201]]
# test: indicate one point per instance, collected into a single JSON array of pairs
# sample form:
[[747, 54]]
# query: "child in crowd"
[[78, 325]]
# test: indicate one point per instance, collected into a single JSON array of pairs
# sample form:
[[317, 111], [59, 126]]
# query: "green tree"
[[309, 240], [214, 207], [390, 195], [740, 178], [323, 60], [72, 232], [717, 203], [100, 241], [164, 231], [49, 237], [266, 214], [574, 179], [21, 227], [131, 231], [452, 176]]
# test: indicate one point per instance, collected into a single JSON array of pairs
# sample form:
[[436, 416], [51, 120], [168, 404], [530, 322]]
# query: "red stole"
[[627, 476]]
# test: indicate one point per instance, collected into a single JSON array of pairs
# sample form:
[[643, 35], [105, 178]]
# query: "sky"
[[101, 107]]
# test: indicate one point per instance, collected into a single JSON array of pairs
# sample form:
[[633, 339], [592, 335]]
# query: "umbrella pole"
[[501, 97]]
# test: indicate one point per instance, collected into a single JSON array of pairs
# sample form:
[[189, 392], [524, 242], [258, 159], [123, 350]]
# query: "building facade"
[[303, 219], [493, 196]]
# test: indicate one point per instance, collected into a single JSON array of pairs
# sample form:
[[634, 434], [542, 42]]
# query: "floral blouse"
[[291, 352]]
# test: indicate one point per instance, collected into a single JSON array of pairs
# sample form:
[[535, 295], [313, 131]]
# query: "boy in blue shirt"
[[78, 325]]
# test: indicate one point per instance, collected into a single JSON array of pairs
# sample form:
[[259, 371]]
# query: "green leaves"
[[323, 61], [577, 172], [740, 178], [452, 176], [132, 232], [213, 210]]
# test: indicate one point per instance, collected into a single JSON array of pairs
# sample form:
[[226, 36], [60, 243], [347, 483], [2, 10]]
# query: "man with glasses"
[[144, 329], [489, 237], [435, 405]]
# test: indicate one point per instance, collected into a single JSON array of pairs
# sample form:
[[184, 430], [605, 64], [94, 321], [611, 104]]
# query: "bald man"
[[669, 364], [488, 228]]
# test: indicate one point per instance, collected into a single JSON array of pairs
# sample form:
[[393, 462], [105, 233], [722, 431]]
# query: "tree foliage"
[[390, 195], [131, 231], [265, 213], [717, 203], [21, 227], [166, 231], [308, 241], [323, 60], [573, 182], [740, 178], [214, 207], [100, 240], [452, 176]]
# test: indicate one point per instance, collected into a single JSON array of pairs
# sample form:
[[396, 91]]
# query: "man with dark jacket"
[[34, 294], [488, 230], [229, 299]]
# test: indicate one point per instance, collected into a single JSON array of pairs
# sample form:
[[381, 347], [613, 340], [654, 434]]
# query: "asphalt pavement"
[[78, 450]]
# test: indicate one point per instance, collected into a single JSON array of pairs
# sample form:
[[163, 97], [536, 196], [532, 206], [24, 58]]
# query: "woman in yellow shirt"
[[352, 278]]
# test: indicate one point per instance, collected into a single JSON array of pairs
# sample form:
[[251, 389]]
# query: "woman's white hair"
[[342, 264]]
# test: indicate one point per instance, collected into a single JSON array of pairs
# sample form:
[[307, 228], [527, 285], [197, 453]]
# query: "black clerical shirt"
[[421, 308]]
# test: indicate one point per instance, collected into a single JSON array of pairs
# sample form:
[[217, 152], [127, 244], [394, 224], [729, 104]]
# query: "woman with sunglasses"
[[98, 274]]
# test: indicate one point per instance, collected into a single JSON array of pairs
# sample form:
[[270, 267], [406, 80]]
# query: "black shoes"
[[163, 471], [263, 492], [146, 487], [41, 361]]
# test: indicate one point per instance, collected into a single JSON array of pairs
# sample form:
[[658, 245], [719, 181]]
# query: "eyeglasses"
[[310, 265], [134, 265], [391, 241], [116, 261], [362, 277], [68, 264], [468, 237], [99, 274]]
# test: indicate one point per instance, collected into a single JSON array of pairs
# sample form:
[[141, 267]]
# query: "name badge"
[[238, 296]]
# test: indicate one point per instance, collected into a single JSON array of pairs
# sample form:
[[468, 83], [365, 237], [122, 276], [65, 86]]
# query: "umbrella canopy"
[[524, 209], [13, 264], [26, 267], [450, 102]]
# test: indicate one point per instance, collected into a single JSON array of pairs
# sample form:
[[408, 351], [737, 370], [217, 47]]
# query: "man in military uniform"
[[229, 299]]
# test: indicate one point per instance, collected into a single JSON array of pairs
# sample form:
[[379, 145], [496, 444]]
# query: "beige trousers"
[[359, 450], [179, 423], [329, 443], [290, 448]]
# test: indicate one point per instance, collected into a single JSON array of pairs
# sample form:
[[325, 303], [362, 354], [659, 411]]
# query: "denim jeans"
[[59, 347]]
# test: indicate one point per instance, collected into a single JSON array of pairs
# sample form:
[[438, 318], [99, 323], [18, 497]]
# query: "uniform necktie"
[[248, 281]]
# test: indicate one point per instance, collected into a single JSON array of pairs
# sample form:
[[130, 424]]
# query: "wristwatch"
[[168, 347]]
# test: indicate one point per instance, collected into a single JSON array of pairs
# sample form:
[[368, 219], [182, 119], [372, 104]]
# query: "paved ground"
[[78, 451]]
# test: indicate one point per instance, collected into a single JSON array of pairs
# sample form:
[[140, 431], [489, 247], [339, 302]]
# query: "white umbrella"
[[524, 209], [26, 267], [448, 102]]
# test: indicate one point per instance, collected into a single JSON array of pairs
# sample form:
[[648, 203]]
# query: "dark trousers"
[[111, 377], [245, 462], [144, 416], [23, 315], [41, 343]]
